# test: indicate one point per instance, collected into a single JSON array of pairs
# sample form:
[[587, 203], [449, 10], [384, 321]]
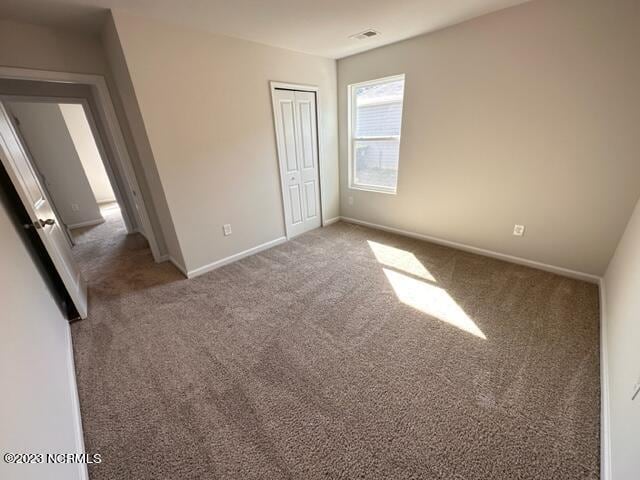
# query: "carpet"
[[344, 353]]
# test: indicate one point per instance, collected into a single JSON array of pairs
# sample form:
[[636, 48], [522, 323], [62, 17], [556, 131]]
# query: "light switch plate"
[[227, 229]]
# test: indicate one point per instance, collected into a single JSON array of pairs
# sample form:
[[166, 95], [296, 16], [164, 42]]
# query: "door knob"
[[40, 223]]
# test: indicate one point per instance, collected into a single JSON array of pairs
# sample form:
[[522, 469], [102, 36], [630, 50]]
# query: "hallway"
[[114, 262], [112, 227]]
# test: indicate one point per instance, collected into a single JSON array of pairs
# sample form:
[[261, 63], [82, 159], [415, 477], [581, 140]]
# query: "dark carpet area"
[[345, 353]]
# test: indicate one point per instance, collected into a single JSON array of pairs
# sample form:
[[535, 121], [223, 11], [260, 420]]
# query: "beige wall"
[[46, 48], [87, 149], [622, 317], [137, 136], [38, 409], [210, 127], [49, 49], [529, 115], [54, 154]]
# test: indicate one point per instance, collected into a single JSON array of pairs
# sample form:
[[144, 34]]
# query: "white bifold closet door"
[[295, 119]]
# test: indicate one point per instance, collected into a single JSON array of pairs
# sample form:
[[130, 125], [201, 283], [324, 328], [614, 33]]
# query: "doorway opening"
[[64, 223], [66, 157]]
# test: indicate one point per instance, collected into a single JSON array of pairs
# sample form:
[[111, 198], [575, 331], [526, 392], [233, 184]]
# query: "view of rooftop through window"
[[375, 133]]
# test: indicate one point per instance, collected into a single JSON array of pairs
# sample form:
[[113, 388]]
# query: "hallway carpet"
[[345, 353]]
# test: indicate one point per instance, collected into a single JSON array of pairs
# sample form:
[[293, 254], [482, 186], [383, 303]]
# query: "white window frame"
[[352, 140]]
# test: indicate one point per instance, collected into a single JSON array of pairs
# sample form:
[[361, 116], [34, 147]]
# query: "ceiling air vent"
[[366, 34]]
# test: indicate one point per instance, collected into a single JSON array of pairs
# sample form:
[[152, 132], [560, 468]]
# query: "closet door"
[[296, 131]]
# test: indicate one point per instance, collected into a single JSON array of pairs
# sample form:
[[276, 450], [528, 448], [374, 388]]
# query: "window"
[[374, 133]]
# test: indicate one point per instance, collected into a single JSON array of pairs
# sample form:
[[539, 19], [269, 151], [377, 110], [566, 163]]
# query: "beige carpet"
[[345, 353]]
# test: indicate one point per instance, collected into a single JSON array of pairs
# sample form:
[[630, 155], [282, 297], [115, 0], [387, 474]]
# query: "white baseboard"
[[88, 223], [329, 221], [481, 251], [225, 261], [605, 432], [83, 473]]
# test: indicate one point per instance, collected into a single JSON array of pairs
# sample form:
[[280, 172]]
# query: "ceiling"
[[319, 27]]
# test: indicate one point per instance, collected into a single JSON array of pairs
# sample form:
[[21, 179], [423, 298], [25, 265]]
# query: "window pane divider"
[[392, 137]]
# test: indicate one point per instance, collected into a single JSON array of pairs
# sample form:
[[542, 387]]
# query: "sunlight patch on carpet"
[[432, 300], [400, 260]]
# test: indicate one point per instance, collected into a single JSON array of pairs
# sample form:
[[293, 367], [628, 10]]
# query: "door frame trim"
[[113, 132], [273, 86]]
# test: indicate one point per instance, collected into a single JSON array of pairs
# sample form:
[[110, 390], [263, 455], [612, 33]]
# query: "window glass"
[[376, 119]]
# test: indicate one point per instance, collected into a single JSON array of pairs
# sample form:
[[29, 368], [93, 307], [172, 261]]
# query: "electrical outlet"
[[518, 230], [227, 229], [75, 207], [350, 200]]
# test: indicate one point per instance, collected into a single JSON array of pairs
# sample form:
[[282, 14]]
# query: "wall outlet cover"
[[350, 200], [518, 230]]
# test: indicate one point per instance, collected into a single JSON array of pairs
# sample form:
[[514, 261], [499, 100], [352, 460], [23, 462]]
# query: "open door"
[[40, 212]]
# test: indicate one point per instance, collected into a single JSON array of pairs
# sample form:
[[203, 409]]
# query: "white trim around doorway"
[[113, 131]]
